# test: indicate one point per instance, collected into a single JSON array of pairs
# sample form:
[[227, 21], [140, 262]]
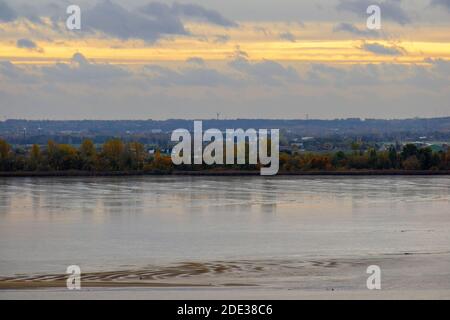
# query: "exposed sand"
[[404, 276]]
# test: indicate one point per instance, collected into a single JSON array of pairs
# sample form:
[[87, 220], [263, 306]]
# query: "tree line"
[[116, 155]]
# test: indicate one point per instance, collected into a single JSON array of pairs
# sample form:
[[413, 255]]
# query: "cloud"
[[262, 30], [240, 72], [33, 13], [221, 38], [148, 22], [7, 69], [15, 75], [382, 77], [287, 36], [350, 28], [238, 53], [357, 75], [267, 72], [80, 59], [390, 9], [198, 12], [196, 60], [7, 14], [26, 44], [382, 50], [188, 76], [116, 21], [85, 89], [442, 3], [81, 70]]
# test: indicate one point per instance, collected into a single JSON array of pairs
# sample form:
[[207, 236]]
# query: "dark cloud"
[[442, 3], [390, 9], [238, 53], [7, 14], [116, 21], [148, 22], [350, 28], [198, 12], [80, 59], [34, 13], [26, 44], [287, 36], [382, 50]]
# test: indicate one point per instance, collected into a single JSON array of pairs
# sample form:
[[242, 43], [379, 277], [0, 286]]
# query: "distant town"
[[295, 135]]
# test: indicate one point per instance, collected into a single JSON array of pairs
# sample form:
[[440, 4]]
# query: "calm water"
[[47, 224]]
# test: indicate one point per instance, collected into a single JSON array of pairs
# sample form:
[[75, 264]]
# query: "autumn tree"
[[135, 156], [34, 158], [113, 154], [5, 156], [160, 163], [411, 163], [88, 155]]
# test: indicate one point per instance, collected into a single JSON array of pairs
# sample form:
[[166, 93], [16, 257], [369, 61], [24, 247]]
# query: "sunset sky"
[[243, 59]]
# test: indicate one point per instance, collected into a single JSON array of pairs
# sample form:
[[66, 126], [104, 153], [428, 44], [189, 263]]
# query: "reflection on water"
[[103, 223]]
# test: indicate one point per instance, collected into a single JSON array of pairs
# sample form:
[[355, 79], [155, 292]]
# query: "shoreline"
[[209, 293], [79, 173]]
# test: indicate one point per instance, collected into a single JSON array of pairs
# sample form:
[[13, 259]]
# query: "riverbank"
[[77, 173], [240, 293]]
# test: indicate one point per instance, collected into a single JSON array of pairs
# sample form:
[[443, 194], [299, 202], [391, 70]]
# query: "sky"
[[193, 59]]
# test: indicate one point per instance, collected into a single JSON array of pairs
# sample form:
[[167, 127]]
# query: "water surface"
[[112, 223]]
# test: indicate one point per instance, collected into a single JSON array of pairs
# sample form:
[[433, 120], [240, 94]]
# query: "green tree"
[[425, 156], [393, 157], [339, 159], [409, 150], [373, 159]]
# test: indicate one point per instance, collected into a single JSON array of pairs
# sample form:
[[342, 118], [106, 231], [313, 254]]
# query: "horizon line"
[[232, 119]]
